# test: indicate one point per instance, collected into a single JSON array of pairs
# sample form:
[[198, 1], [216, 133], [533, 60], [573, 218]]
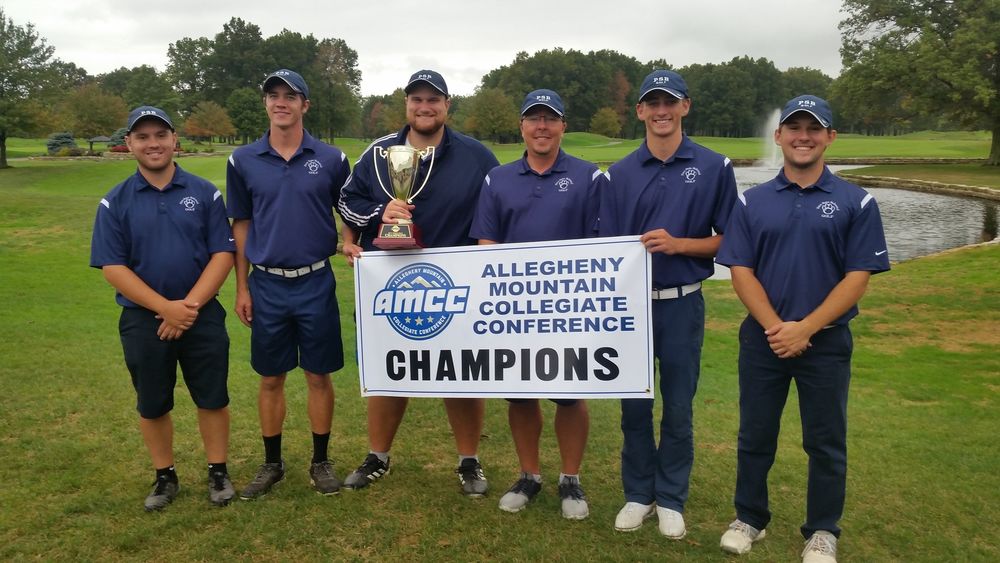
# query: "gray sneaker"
[[220, 488], [268, 474], [574, 502], [520, 494], [322, 478], [470, 475], [164, 492], [371, 469], [821, 548]]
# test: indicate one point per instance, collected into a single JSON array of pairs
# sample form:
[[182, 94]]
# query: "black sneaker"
[[220, 488], [267, 475], [322, 478], [164, 492], [371, 469], [574, 502], [520, 494], [470, 475]]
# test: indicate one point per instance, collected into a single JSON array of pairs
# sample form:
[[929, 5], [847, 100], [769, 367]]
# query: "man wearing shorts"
[[282, 189], [162, 240], [546, 195]]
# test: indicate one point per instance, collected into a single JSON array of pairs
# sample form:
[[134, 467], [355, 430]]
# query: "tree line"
[[908, 65]]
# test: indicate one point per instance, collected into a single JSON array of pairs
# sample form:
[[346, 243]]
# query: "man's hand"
[[244, 306], [167, 332], [662, 241], [351, 252], [397, 209], [789, 339]]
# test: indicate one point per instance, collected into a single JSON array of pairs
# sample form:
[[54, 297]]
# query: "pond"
[[916, 223]]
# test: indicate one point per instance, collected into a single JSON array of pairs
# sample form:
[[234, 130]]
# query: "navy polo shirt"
[[518, 204], [290, 203], [165, 237], [689, 195], [801, 242], [444, 208]]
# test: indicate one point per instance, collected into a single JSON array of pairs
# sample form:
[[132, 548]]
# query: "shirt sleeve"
[[486, 221], [359, 205], [737, 248], [240, 203], [608, 224], [726, 197], [593, 204], [220, 235], [339, 176], [108, 246], [866, 249]]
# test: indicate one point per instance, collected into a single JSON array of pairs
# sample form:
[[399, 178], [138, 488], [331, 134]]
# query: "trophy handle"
[[380, 151], [423, 153]]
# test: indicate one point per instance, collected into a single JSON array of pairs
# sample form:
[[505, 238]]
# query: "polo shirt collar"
[[825, 182], [178, 180], [557, 167], [685, 151], [264, 144]]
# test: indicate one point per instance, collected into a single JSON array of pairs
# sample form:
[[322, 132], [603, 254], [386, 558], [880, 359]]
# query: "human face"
[[542, 130], [803, 140], [426, 110], [284, 107], [152, 143], [662, 113]]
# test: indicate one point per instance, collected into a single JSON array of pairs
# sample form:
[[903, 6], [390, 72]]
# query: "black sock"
[[217, 468], [272, 449], [167, 473], [320, 444]]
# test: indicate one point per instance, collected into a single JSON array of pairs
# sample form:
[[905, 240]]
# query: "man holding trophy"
[[445, 170]]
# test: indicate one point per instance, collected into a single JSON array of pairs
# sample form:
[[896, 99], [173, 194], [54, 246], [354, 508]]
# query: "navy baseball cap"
[[665, 80], [546, 98], [293, 79], [142, 112], [814, 106], [431, 77]]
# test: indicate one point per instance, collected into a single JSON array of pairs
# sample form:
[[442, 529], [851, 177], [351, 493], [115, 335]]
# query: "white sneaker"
[[740, 536], [631, 516], [820, 548], [671, 523]]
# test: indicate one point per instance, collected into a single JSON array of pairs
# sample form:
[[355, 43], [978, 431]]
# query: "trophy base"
[[397, 237]]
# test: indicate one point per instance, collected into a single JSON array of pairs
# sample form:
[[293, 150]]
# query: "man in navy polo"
[[546, 195], [443, 211], [162, 240], [674, 193], [801, 249], [282, 189]]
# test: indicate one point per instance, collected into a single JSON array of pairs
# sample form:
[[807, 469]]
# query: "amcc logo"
[[420, 300]]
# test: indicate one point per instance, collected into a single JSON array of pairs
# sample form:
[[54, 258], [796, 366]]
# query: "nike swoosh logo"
[[233, 240], [876, 254]]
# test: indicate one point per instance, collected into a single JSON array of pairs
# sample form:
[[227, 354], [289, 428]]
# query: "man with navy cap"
[[443, 210], [162, 240], [801, 248], [674, 193], [282, 189], [546, 195]]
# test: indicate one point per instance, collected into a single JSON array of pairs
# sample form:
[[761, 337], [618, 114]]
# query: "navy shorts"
[[560, 402], [296, 322], [202, 351]]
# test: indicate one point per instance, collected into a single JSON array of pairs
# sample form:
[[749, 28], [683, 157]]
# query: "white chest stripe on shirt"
[[595, 174], [217, 195], [231, 161], [743, 199], [865, 201], [105, 203]]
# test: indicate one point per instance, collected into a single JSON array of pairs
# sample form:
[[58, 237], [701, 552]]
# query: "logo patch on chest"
[[563, 184], [827, 209], [189, 203], [313, 166], [690, 174]]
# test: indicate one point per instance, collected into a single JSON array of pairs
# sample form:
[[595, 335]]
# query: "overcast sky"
[[462, 39]]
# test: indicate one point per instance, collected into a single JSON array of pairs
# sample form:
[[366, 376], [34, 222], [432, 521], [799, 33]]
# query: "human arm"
[[244, 304], [660, 240], [350, 249], [485, 242], [177, 315], [791, 337]]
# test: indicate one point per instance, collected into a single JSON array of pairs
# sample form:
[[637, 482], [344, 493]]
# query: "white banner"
[[556, 319]]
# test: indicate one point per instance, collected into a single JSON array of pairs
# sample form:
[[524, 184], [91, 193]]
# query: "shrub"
[[58, 141], [208, 149], [70, 151], [118, 137], [119, 148]]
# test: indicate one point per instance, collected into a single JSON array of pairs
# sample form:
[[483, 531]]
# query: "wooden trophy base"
[[397, 237]]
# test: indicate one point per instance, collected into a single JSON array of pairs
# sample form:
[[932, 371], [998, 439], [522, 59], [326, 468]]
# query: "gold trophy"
[[403, 163]]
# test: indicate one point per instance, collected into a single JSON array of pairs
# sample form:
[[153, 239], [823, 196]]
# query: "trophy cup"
[[403, 163]]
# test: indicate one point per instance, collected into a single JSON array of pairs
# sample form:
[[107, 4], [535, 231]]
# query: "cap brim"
[[670, 91], [527, 109], [822, 121], [427, 82], [281, 78], [131, 125]]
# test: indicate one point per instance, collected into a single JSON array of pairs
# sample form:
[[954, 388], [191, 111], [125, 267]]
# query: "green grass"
[[922, 484], [964, 174]]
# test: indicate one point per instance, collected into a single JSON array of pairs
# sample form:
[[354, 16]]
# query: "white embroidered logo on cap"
[[661, 80]]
